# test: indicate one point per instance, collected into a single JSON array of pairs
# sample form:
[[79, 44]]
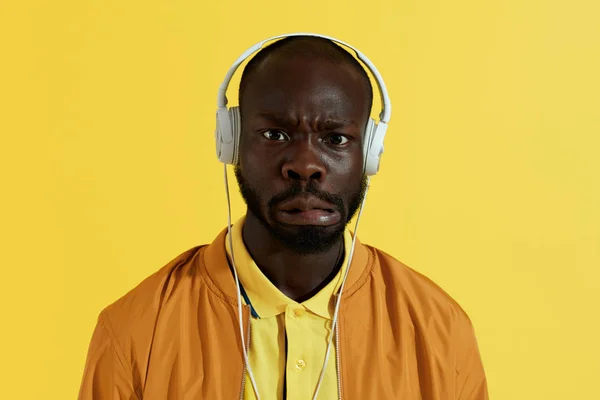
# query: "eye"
[[275, 135], [337, 139]]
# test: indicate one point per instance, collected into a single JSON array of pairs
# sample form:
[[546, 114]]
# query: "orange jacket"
[[176, 336]]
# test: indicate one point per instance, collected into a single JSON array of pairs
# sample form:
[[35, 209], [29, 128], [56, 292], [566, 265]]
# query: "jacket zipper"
[[337, 360], [244, 370]]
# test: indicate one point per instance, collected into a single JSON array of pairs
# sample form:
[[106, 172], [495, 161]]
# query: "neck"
[[298, 276]]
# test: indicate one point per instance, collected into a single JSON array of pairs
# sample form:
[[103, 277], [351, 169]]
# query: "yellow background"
[[489, 183]]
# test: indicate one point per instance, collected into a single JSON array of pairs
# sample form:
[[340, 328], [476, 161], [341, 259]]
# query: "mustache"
[[312, 189]]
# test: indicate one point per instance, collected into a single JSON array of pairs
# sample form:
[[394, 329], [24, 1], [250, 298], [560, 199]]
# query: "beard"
[[307, 239]]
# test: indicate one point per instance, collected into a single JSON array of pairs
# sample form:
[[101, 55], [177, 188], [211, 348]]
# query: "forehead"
[[304, 85]]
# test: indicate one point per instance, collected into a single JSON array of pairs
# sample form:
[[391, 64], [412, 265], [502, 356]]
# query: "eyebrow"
[[328, 124]]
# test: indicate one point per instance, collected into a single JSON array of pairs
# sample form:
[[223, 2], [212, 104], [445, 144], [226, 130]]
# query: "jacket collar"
[[218, 272]]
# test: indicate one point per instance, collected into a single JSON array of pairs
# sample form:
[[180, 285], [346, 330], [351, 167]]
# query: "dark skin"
[[303, 123]]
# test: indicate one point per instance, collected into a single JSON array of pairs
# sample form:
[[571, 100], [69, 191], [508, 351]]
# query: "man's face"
[[301, 160]]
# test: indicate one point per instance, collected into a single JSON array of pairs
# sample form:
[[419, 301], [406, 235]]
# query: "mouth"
[[307, 210]]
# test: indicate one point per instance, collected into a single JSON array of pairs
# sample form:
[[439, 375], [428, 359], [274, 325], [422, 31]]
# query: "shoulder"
[[120, 345], [422, 296], [136, 311]]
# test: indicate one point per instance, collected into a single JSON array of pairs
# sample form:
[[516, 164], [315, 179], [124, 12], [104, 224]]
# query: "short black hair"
[[313, 46]]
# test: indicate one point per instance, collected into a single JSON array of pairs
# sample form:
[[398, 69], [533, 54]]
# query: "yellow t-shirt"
[[307, 326]]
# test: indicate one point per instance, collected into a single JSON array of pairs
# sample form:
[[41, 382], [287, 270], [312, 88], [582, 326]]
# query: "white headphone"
[[227, 132]]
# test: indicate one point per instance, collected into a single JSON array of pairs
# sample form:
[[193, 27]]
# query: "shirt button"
[[300, 364], [298, 313]]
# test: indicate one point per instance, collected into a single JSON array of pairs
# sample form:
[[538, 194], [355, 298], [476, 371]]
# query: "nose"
[[303, 163]]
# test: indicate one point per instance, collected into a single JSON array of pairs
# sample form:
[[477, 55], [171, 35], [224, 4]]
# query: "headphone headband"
[[386, 111]]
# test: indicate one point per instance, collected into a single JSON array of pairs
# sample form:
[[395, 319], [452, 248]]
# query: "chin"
[[307, 239]]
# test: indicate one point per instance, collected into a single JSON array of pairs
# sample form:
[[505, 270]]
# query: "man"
[[304, 106]]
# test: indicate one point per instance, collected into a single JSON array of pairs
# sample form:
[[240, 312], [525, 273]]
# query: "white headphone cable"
[[337, 303], [237, 286]]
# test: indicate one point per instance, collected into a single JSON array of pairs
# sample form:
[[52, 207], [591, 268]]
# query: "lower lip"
[[310, 217]]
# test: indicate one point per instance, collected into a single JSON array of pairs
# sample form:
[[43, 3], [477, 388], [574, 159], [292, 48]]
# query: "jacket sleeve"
[[106, 375], [471, 383]]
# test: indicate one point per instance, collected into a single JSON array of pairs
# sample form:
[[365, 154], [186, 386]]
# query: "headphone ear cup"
[[375, 146], [236, 128], [369, 131], [227, 134], [223, 135]]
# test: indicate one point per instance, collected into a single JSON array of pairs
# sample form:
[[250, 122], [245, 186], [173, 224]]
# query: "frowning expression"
[[301, 148]]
